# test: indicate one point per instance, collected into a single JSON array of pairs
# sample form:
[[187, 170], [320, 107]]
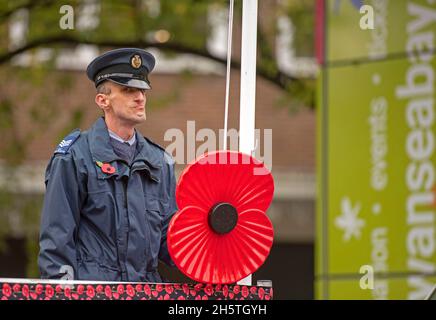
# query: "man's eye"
[[133, 90]]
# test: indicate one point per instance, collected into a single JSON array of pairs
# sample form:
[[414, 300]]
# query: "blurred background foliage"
[[177, 27]]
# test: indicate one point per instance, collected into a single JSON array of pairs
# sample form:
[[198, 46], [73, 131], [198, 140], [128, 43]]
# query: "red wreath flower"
[[236, 289], [198, 286], [169, 288], [221, 233], [245, 292], [16, 287], [225, 291], [105, 167], [25, 291], [80, 289], [108, 292], [253, 290], [120, 289], [261, 293], [90, 291], [49, 291], [138, 288], [147, 290], [130, 290], [185, 288], [99, 289], [6, 290], [67, 292], [209, 290], [38, 289]]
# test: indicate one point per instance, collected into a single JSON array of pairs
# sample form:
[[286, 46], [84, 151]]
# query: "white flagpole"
[[248, 84]]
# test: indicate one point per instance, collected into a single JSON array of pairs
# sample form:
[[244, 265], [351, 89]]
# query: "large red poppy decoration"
[[221, 233]]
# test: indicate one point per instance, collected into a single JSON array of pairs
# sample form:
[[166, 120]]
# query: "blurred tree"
[[173, 26]]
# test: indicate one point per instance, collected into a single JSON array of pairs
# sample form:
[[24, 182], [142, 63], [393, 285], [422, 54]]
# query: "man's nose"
[[140, 95]]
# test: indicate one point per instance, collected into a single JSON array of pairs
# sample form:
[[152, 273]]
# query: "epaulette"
[[67, 142], [154, 143], [168, 157]]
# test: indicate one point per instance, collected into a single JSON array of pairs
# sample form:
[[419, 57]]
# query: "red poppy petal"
[[206, 256], [225, 176], [186, 233]]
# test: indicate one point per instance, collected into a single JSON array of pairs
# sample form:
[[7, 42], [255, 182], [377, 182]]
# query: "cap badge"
[[136, 61]]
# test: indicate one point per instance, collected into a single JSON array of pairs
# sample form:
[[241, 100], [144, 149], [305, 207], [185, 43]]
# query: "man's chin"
[[140, 118], [134, 120]]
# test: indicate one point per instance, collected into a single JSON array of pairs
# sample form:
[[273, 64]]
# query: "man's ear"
[[102, 101]]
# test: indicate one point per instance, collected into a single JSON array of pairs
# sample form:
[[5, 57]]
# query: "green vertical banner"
[[376, 208]]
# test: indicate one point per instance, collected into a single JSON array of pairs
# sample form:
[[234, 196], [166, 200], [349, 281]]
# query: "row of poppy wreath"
[[18, 291]]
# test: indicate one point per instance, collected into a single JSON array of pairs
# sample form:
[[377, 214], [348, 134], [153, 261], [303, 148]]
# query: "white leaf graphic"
[[349, 221]]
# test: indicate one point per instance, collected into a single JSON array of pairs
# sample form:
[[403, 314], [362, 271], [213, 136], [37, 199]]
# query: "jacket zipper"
[[125, 181]]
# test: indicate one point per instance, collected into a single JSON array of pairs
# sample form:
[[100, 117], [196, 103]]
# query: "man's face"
[[126, 104]]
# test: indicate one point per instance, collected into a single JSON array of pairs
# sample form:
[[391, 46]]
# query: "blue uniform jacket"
[[107, 227]]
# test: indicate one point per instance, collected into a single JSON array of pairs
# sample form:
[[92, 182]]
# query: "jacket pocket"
[[155, 218], [153, 204], [154, 213]]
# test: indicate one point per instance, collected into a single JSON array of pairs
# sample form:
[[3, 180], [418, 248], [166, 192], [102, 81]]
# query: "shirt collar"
[[131, 141], [102, 150]]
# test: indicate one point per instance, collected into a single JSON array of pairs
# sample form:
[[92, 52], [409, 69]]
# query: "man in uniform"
[[110, 192]]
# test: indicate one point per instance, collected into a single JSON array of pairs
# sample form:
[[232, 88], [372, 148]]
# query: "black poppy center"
[[223, 218]]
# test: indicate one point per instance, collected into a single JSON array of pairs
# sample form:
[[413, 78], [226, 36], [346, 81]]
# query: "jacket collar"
[[148, 153], [101, 149]]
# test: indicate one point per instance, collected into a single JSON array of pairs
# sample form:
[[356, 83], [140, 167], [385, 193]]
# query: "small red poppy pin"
[[105, 167]]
